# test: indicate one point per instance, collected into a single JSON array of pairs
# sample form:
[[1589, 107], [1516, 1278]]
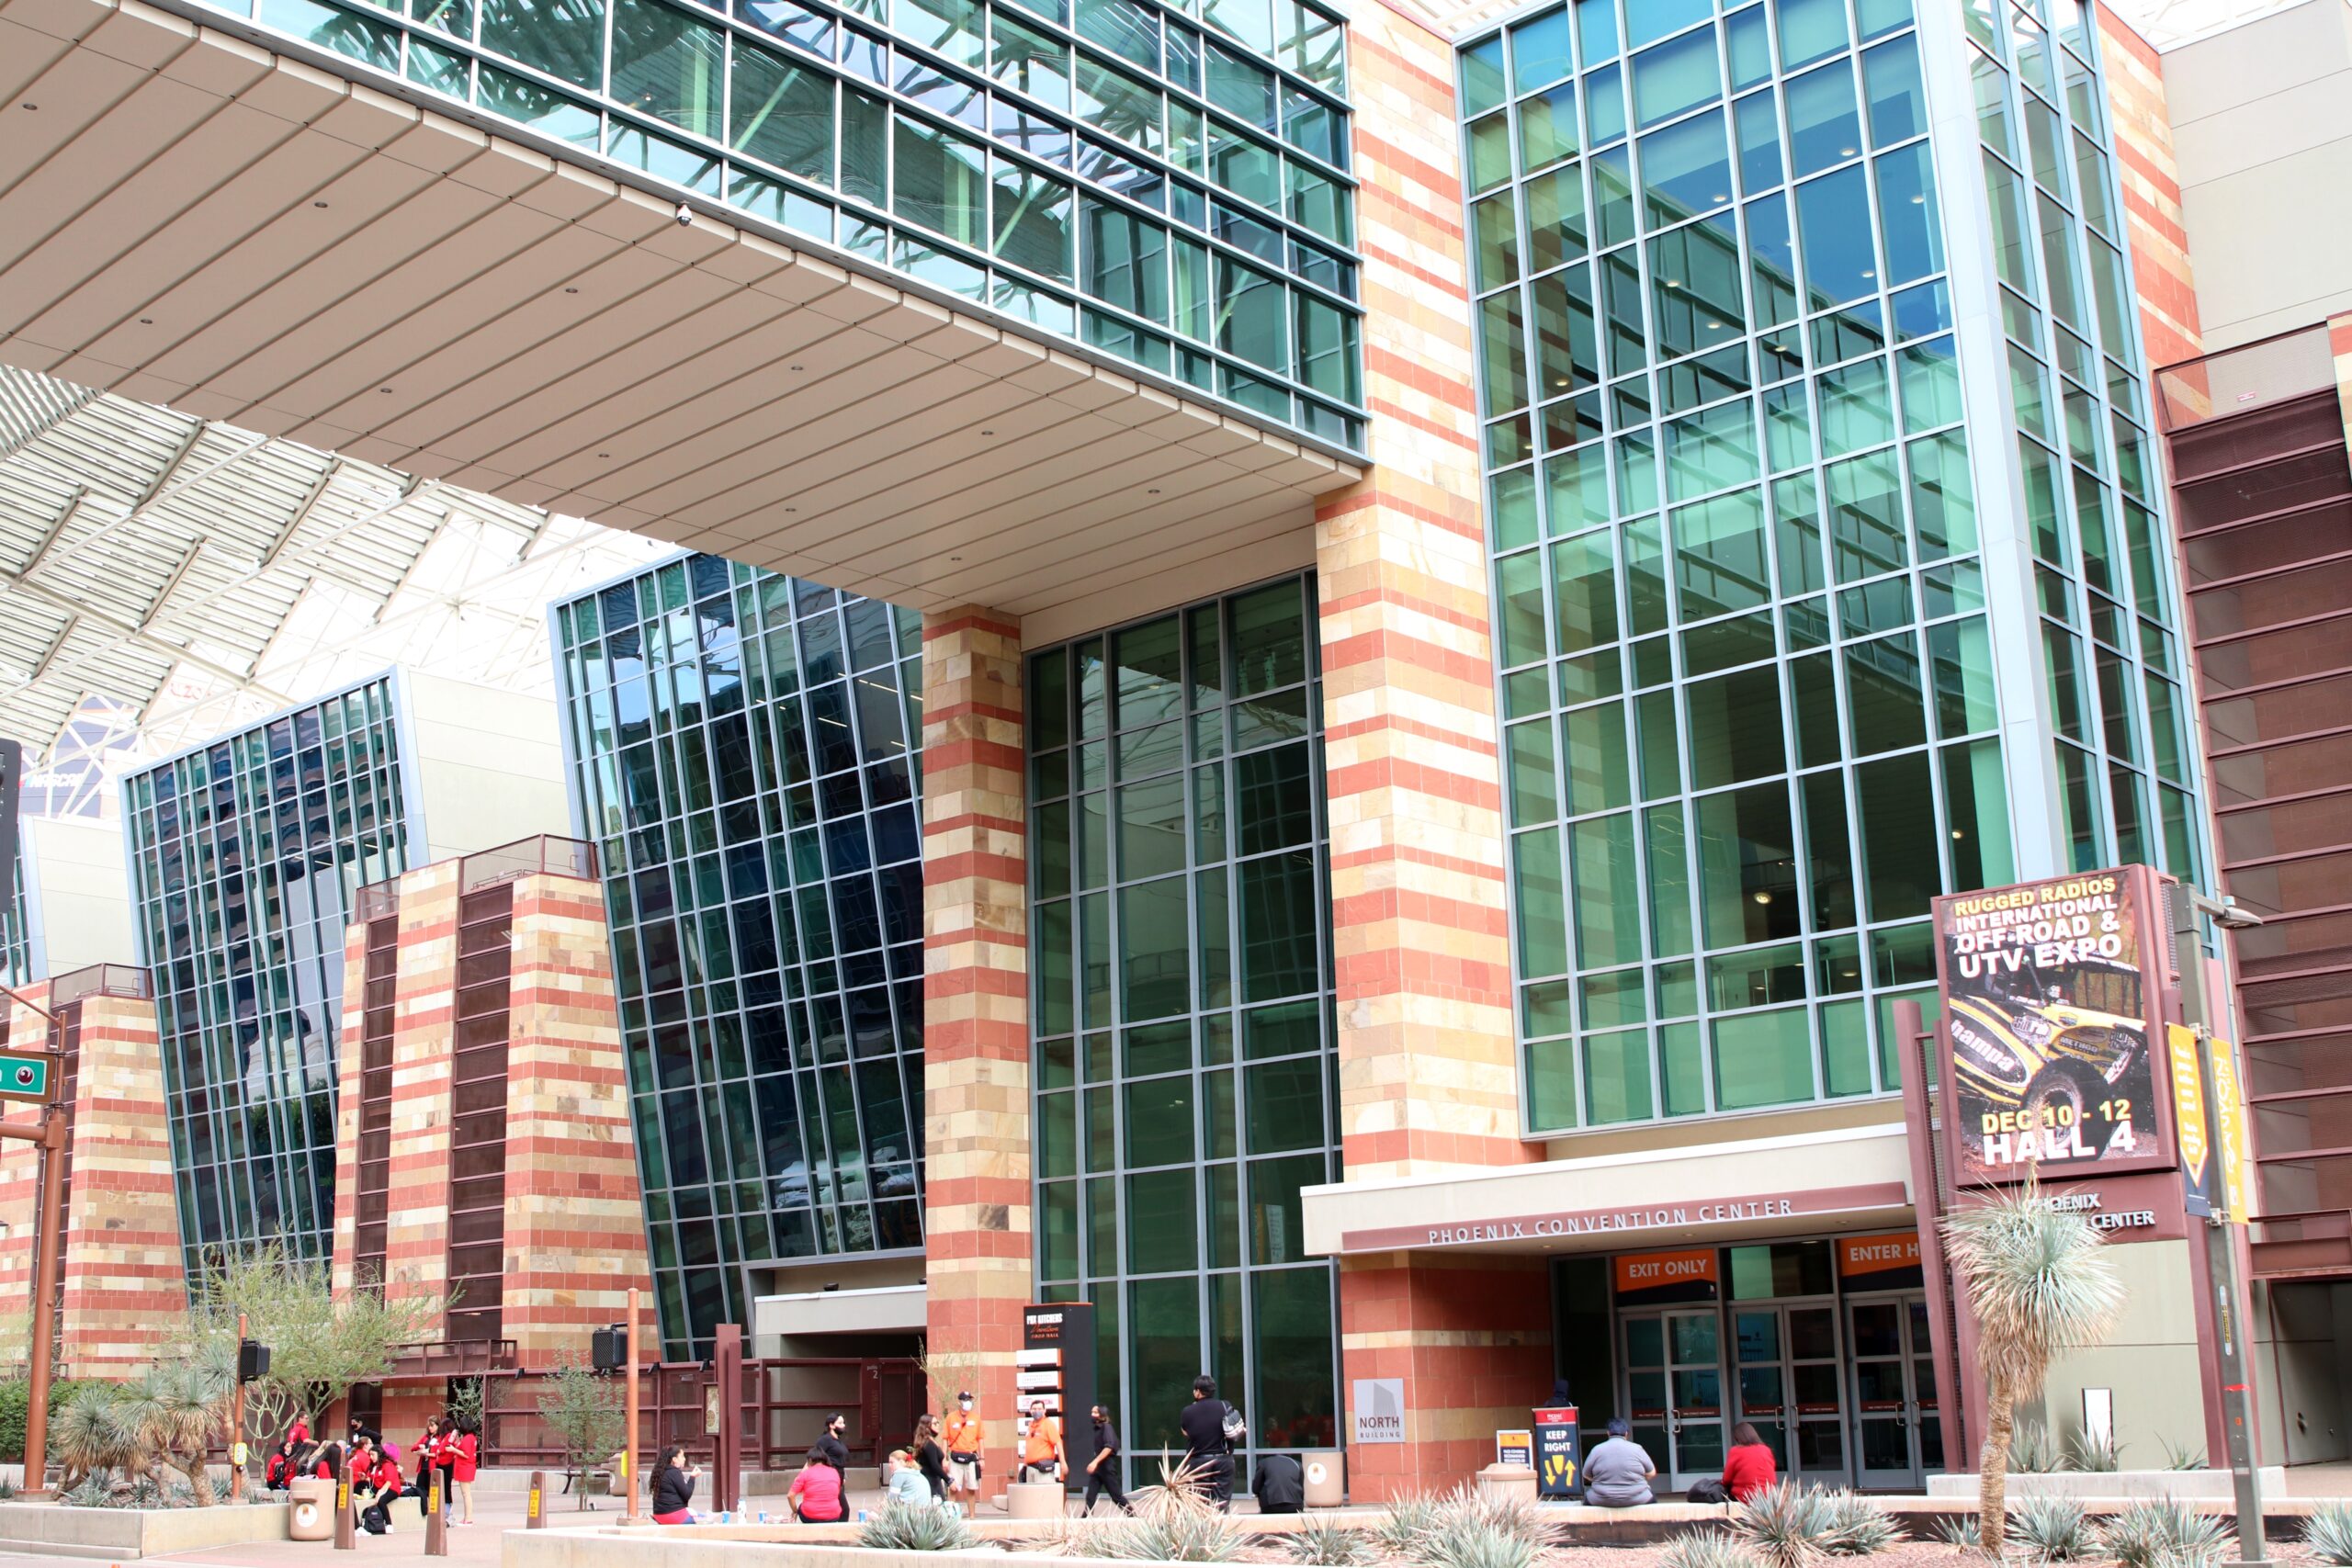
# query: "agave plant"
[[1785, 1525], [1399, 1533], [2033, 1450], [1477, 1545], [2163, 1532], [1321, 1541], [2097, 1452], [1175, 1523], [2040, 1283], [909, 1527], [2182, 1456], [1705, 1549], [2053, 1529], [1858, 1526], [2328, 1533], [1960, 1531], [1518, 1518]]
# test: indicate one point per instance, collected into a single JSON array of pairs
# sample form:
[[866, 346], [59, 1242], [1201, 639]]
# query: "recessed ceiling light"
[[317, 204], [954, 557], [988, 433], [604, 454], [792, 509], [792, 368], [32, 106], [572, 291], [146, 321], [1152, 492], [383, 388]]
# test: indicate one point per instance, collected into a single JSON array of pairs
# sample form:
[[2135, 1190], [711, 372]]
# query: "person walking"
[[1103, 1470], [1041, 1447], [1208, 1445], [930, 1457], [673, 1488], [831, 1446], [817, 1494], [962, 1438]]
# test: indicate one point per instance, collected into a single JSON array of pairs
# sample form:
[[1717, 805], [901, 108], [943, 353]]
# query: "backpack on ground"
[[1709, 1491]]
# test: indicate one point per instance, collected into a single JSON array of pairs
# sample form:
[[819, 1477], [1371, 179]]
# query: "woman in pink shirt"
[[817, 1493]]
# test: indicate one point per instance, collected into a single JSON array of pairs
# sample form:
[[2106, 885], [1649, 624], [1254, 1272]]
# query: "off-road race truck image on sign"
[[2046, 1013]]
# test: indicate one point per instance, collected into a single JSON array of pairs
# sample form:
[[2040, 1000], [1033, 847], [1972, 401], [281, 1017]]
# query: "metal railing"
[[376, 901], [545, 856], [2238, 380], [100, 980]]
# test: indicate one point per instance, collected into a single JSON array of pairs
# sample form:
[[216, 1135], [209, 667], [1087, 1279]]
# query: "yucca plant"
[[1477, 1545], [1858, 1526], [2163, 1532], [1705, 1549], [2053, 1529], [2040, 1283], [2328, 1533], [1174, 1523], [1399, 1533], [1785, 1525], [1321, 1541], [909, 1527], [1468, 1508], [2033, 1450], [2095, 1452]]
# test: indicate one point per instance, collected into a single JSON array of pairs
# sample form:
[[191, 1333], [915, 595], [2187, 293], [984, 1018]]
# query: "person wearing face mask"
[[835, 1451], [962, 1436]]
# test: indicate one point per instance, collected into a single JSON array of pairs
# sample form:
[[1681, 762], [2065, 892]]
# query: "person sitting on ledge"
[[1617, 1472]]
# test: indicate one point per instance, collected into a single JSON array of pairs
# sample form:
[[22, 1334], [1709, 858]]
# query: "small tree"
[[949, 1373], [320, 1344], [470, 1402], [583, 1411], [2040, 1285]]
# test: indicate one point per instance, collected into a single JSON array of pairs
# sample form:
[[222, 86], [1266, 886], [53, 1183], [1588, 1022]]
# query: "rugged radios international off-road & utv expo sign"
[[2048, 989]]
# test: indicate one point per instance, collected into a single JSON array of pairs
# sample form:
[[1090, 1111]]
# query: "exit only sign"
[[27, 1075]]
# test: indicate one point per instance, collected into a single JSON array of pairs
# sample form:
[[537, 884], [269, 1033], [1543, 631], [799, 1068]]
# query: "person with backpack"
[[962, 1436], [1210, 1428]]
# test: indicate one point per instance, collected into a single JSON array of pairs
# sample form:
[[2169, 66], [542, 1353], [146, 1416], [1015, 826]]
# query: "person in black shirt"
[[835, 1451], [1103, 1470], [1279, 1484], [1208, 1453]]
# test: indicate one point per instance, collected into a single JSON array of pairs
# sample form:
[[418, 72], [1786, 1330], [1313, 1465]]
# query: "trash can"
[[1327, 1477], [313, 1509], [1036, 1500]]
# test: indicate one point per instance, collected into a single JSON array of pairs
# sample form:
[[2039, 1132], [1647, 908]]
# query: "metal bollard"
[[535, 1511], [436, 1523], [343, 1527]]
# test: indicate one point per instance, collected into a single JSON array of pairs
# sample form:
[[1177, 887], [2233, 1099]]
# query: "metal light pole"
[[2220, 1250], [628, 1444]]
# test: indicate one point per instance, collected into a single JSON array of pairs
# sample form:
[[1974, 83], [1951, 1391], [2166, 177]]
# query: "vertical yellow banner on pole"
[[2233, 1135], [2189, 1120]]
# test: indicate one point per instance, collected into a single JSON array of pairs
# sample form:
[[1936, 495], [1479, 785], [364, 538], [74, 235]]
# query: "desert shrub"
[[1961, 1530], [1705, 1549], [2163, 1532], [1858, 1526], [1477, 1545], [1324, 1542], [2182, 1456], [906, 1527], [2052, 1530], [2095, 1452], [2328, 1532], [1785, 1525], [1468, 1508], [1399, 1534], [1175, 1523], [2033, 1450]]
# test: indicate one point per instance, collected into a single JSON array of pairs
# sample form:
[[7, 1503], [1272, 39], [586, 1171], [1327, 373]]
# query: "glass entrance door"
[[1674, 1387], [1788, 1386], [1896, 1437]]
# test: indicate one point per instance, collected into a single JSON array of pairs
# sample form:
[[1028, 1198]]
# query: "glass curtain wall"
[[2125, 765], [745, 751], [16, 930], [1184, 1060], [1170, 184], [244, 855], [1750, 722]]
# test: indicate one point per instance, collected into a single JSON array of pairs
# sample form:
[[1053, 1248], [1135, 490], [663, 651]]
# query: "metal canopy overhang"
[[190, 220]]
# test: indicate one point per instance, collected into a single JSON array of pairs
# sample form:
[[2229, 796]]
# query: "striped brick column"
[[575, 1224], [2150, 177], [124, 1286], [1429, 1057], [24, 1030], [975, 1007]]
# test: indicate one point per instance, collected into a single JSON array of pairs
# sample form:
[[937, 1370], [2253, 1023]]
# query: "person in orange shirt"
[[961, 1437], [1041, 1449]]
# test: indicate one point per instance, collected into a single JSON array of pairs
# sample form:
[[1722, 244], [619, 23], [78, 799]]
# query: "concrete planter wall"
[[2115, 1486], [45, 1529]]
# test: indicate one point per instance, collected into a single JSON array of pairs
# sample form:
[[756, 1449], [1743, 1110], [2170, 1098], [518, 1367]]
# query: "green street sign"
[[27, 1075]]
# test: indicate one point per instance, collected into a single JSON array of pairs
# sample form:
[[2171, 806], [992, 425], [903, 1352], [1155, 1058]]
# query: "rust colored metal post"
[[629, 1445], [726, 1456], [237, 1456], [436, 1521], [48, 1268], [535, 1511], [344, 1530], [1928, 1203]]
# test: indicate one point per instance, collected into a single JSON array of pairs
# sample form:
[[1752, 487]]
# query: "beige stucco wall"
[[488, 766], [80, 900], [2302, 1375], [2149, 1361], [2262, 126]]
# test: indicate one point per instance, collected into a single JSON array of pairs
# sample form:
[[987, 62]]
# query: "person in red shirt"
[[329, 1462], [427, 1452], [462, 1452], [1748, 1468]]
